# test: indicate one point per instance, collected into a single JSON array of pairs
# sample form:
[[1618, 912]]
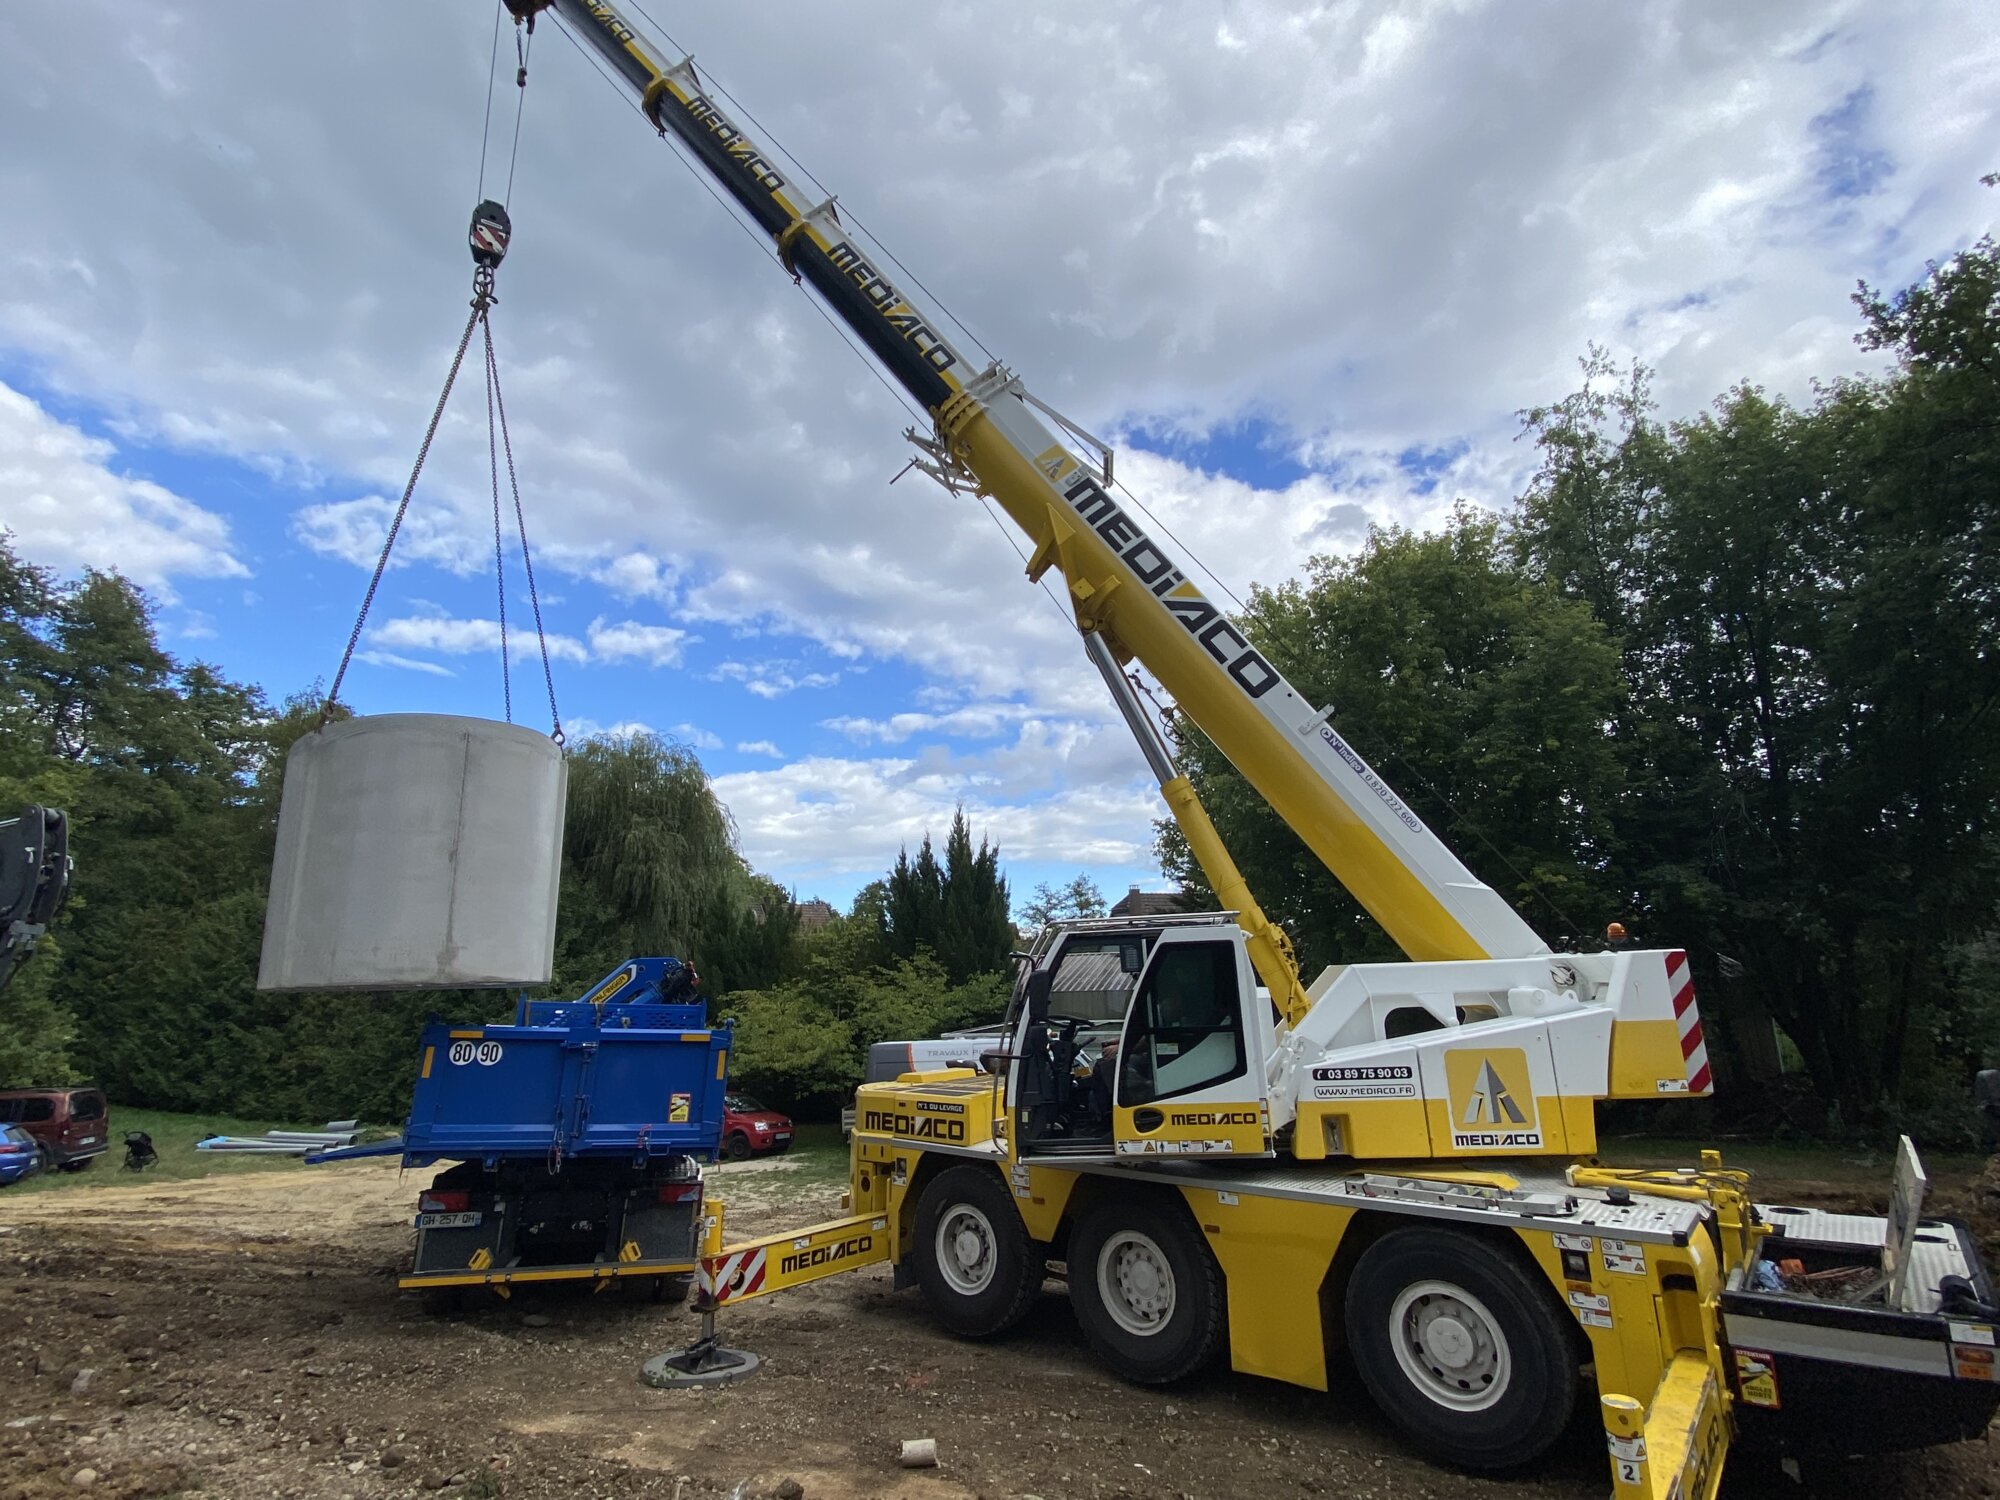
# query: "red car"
[[749, 1129], [73, 1125]]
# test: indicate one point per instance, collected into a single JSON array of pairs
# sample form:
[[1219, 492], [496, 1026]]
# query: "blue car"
[[20, 1154]]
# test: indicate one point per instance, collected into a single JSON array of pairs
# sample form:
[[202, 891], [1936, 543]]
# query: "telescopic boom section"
[[1122, 583]]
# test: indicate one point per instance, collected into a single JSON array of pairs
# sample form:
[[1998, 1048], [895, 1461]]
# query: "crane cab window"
[[1185, 1030]]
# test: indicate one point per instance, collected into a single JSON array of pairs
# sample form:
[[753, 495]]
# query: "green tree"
[[1482, 696], [1077, 898], [956, 911], [1805, 599]]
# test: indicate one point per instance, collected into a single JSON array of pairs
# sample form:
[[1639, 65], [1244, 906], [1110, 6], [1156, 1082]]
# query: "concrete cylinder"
[[416, 852]]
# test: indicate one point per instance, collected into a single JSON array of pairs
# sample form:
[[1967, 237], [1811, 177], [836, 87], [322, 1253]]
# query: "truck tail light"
[[680, 1192], [443, 1203]]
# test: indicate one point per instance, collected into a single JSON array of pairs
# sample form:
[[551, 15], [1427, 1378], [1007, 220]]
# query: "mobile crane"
[[1363, 1162]]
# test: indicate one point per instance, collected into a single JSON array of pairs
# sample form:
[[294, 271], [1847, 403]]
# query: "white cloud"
[[580, 729], [759, 747], [456, 637], [771, 679], [628, 640], [195, 625], [636, 575], [353, 531], [403, 663], [1372, 231], [1068, 794], [974, 721], [68, 509], [695, 735]]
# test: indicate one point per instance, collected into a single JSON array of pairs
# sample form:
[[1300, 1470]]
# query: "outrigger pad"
[[704, 1362]]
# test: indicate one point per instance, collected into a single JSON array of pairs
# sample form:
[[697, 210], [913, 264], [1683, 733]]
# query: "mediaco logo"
[[903, 1126], [1214, 1117], [820, 1255], [1492, 1100]]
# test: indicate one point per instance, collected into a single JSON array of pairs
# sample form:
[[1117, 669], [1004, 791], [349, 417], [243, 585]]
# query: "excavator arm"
[[993, 436]]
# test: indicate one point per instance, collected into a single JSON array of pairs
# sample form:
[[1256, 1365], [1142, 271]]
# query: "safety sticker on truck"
[[486, 1054], [1626, 1256], [678, 1108], [1593, 1310], [1757, 1379], [1972, 1350], [1175, 1148]]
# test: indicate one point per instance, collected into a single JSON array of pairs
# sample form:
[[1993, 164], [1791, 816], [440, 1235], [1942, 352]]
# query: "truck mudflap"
[[1672, 1449], [776, 1262]]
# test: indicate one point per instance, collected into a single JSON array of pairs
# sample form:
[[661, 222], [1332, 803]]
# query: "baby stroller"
[[139, 1152]]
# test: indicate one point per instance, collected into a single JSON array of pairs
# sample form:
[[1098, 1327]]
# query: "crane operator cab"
[[1142, 1037]]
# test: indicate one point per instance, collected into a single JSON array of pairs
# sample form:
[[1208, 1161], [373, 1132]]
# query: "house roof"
[[1138, 903]]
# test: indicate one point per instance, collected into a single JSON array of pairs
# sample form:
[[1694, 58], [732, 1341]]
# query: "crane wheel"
[[1463, 1347], [1147, 1292], [979, 1270]]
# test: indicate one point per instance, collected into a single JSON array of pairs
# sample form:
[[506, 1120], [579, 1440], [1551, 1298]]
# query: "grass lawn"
[[1790, 1161], [173, 1136]]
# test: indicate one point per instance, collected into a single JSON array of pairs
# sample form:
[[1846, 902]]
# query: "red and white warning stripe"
[[490, 238], [728, 1278], [1687, 1015]]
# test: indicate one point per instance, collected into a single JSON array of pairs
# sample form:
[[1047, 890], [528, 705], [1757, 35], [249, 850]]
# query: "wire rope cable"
[[403, 507], [499, 554], [521, 525], [486, 127]]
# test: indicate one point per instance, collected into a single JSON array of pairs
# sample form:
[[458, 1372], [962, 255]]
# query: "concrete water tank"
[[416, 851]]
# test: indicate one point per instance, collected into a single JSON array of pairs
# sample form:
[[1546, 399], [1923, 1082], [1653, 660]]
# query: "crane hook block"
[[491, 229]]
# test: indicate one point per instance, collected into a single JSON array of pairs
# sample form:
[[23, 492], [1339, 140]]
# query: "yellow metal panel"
[[1377, 1128], [500, 1280], [721, 1063], [694, 1036], [1642, 1054], [1579, 1118], [467, 1036], [1546, 1118], [1043, 1200], [1222, 1128], [430, 1056], [1679, 1448], [1274, 1254]]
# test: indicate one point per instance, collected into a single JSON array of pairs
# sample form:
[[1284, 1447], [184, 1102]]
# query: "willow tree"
[[650, 865]]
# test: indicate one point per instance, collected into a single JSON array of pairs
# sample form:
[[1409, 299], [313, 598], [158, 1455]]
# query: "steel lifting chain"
[[488, 238]]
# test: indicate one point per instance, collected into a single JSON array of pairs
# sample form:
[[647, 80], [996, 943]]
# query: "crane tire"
[[1463, 1346], [1145, 1288], [979, 1271]]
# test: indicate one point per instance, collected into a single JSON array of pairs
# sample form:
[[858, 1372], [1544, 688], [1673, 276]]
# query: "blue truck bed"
[[617, 1074]]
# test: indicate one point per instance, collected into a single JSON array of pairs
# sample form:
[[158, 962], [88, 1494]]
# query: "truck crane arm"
[[992, 435]]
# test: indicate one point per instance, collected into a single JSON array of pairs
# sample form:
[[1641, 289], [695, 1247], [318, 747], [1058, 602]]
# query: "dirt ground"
[[241, 1337]]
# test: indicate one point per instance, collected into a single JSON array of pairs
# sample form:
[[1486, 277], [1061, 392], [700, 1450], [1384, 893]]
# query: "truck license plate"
[[448, 1221]]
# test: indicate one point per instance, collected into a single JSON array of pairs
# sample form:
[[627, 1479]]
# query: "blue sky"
[[1302, 295]]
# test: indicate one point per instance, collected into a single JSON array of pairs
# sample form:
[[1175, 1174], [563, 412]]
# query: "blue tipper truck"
[[577, 1134]]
